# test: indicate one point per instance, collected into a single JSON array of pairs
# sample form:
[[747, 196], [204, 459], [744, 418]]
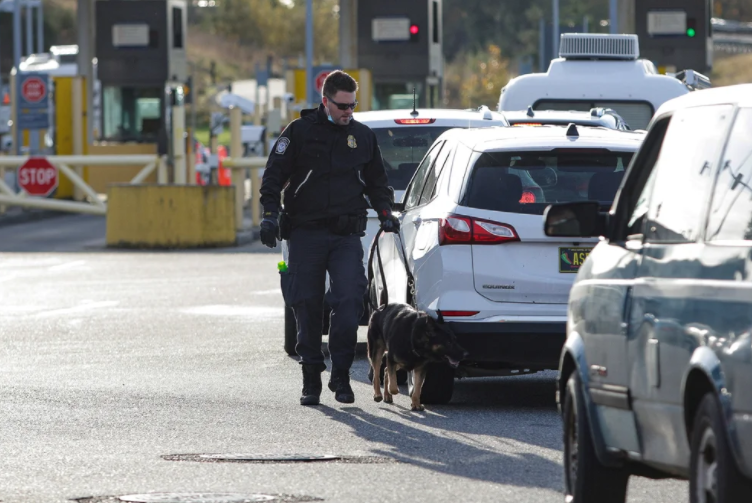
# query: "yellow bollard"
[[236, 152], [77, 104]]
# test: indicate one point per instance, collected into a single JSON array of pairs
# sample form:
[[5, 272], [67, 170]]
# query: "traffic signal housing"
[[414, 32], [691, 27]]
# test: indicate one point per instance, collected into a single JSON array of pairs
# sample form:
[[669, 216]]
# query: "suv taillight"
[[459, 230]]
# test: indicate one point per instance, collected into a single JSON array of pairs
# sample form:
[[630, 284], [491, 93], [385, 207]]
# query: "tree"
[[476, 78]]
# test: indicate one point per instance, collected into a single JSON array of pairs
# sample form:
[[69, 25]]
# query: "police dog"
[[411, 339]]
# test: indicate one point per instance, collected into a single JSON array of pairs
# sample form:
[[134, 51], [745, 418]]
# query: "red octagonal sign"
[[319, 81], [37, 176], [33, 89]]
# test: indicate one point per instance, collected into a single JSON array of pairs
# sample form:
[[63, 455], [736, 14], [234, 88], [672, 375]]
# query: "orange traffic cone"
[[6, 99]]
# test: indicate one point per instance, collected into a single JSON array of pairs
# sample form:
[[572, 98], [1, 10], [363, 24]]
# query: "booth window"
[[177, 28], [131, 113]]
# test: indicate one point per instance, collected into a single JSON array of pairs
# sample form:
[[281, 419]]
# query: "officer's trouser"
[[313, 253]]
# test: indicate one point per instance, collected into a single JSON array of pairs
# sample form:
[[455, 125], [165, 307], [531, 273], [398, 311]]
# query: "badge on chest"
[[351, 142]]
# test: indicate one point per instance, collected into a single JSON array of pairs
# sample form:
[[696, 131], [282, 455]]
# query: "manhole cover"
[[200, 497], [271, 458], [196, 498], [276, 458]]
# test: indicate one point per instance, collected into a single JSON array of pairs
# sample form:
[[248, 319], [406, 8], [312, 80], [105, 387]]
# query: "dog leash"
[[410, 279]]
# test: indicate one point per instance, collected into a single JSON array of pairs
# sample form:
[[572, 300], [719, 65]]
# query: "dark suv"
[[655, 373]]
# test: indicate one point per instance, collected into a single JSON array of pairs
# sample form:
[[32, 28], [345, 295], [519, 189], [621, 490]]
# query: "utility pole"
[[309, 50], [16, 33], [613, 16], [555, 31]]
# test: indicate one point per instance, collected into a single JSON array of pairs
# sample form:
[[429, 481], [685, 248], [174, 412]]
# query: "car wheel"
[[714, 476], [438, 385], [291, 332], [401, 374], [586, 479]]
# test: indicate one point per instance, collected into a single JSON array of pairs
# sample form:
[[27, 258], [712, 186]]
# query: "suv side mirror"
[[574, 220], [398, 207]]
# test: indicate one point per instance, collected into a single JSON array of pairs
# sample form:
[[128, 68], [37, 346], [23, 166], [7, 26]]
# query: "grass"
[[732, 70], [202, 135]]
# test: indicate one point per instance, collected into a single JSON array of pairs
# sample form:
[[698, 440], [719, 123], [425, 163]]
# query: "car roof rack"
[[692, 79]]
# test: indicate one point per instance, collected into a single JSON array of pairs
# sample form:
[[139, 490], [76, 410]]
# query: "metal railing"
[[71, 166]]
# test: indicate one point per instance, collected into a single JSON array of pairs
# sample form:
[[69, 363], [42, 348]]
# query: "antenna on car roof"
[[414, 113]]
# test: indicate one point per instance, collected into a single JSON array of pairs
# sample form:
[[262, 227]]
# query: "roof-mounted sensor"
[[599, 46]]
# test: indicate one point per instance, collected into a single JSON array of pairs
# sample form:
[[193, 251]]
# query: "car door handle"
[[417, 221]]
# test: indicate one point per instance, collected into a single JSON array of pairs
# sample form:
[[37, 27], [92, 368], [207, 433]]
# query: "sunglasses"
[[343, 106]]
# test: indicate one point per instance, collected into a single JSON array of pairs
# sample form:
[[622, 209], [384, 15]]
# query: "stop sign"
[[318, 82], [37, 176], [33, 89]]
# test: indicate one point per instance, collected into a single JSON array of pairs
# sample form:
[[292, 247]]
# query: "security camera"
[[288, 98]]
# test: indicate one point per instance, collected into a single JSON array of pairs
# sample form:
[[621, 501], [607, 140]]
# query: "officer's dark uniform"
[[325, 172]]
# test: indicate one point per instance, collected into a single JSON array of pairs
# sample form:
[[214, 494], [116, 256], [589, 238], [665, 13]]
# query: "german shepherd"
[[411, 339]]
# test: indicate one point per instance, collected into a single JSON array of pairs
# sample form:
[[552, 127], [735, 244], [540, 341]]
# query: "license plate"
[[570, 259]]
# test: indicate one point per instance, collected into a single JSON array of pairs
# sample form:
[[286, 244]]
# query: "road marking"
[[83, 307], [268, 292], [235, 311], [67, 265]]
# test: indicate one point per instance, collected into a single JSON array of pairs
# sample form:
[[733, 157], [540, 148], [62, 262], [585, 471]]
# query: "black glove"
[[389, 223], [269, 229]]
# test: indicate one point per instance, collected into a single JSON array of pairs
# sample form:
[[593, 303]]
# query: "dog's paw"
[[394, 391], [388, 399], [417, 408], [377, 398]]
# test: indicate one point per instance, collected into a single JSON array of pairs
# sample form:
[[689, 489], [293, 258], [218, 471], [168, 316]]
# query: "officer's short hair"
[[338, 81]]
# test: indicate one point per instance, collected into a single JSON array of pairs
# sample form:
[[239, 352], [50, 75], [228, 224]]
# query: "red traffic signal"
[[414, 31]]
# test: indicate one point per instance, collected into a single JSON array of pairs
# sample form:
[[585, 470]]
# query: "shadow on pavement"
[[470, 458]]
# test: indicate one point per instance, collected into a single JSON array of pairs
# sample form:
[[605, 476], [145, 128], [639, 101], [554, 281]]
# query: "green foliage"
[[475, 79]]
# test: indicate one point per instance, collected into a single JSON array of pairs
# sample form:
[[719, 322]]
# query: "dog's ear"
[[439, 316]]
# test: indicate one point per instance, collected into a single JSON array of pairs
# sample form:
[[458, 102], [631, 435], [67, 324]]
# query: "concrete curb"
[[247, 236], [14, 217]]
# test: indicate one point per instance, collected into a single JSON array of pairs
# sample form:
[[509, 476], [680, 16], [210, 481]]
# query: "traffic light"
[[691, 27], [188, 91], [414, 32]]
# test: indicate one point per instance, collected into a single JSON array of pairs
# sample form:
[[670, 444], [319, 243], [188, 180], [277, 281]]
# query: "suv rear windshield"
[[403, 148], [527, 182]]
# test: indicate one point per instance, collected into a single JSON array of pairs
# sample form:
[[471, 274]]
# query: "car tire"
[[401, 374], [600, 484], [291, 332], [714, 476], [438, 385]]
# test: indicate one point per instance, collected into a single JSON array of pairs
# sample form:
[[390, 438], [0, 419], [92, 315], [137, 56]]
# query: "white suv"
[[476, 252], [404, 137]]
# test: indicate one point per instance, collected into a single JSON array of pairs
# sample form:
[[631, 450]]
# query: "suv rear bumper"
[[532, 345]]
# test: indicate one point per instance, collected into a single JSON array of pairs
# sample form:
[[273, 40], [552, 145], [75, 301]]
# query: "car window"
[[636, 114], [458, 168], [402, 149], [416, 185], [527, 182], [632, 206], [429, 191], [730, 216], [685, 172]]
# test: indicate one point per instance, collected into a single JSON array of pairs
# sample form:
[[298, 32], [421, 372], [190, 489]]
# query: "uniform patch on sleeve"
[[282, 145]]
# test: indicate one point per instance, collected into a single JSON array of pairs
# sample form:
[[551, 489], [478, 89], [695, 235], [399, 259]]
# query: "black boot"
[[340, 384], [311, 383]]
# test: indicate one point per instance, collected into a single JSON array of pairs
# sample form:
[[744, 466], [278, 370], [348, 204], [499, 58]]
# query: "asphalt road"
[[111, 360]]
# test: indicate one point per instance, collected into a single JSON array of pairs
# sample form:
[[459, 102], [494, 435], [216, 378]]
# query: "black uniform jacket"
[[325, 170]]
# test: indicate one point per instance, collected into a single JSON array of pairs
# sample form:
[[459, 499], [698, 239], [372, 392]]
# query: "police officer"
[[326, 167]]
